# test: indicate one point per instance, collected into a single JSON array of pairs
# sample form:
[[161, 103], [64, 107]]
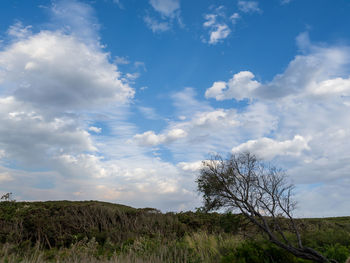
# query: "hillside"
[[91, 231]]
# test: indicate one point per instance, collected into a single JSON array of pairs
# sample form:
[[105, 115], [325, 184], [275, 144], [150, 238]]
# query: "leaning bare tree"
[[6, 197], [260, 192]]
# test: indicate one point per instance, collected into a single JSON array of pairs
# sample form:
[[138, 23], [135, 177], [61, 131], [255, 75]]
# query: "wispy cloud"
[[249, 6], [17, 30], [121, 60], [119, 3], [216, 23], [167, 11], [167, 8], [155, 25], [284, 2], [220, 25]]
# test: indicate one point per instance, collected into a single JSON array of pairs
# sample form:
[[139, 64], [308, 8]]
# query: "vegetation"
[[64, 231], [261, 193]]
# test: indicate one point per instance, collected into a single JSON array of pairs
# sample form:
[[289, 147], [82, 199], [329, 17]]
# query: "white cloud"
[[18, 31], [121, 60], [54, 70], [149, 138], [140, 64], [166, 7], [149, 113], [218, 30], [268, 148], [213, 129], [307, 73], [210, 20], [215, 118], [155, 25], [234, 17], [95, 129], [318, 73], [241, 86], [331, 87], [31, 138], [249, 6], [186, 103], [77, 19], [191, 166], [166, 11], [88, 164]]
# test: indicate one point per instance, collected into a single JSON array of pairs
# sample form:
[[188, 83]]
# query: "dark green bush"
[[337, 252], [259, 252]]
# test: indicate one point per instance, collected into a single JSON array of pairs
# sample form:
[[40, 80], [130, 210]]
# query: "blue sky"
[[121, 100]]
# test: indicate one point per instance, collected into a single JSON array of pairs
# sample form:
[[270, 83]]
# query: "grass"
[[91, 231]]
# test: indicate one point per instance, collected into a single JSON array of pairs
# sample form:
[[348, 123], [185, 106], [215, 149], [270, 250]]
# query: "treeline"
[[92, 231]]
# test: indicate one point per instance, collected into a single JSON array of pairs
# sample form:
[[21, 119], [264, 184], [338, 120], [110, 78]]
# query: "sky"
[[122, 100]]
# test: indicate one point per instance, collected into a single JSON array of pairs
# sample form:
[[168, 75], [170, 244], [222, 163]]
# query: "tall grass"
[[101, 232], [197, 247]]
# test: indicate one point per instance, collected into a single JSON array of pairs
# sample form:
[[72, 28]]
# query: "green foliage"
[[259, 252], [337, 252], [92, 231]]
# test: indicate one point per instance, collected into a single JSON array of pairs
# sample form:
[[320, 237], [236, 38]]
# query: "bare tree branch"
[[260, 192]]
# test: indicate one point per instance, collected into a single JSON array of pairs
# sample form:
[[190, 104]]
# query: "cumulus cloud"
[[54, 70], [216, 118], [149, 138], [191, 166], [212, 129], [318, 73], [29, 137], [241, 86], [268, 148], [331, 87], [95, 129], [216, 24]]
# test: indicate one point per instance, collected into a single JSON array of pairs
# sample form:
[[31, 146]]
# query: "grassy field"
[[90, 231]]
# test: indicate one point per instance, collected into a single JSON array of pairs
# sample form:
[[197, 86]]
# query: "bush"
[[337, 252], [259, 252]]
